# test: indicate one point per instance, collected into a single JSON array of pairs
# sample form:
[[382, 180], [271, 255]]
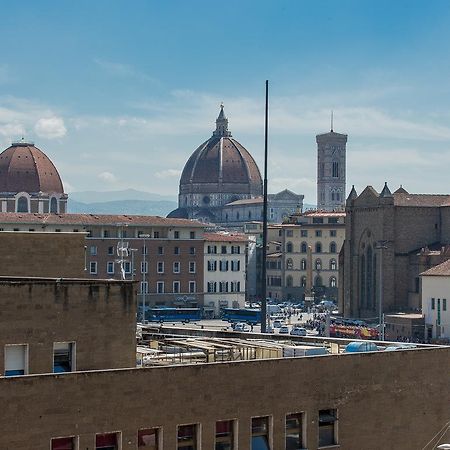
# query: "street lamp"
[[381, 245]]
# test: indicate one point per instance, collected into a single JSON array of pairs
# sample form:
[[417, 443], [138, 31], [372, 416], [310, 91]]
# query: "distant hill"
[[112, 196]]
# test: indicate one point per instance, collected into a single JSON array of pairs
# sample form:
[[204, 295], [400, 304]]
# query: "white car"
[[241, 327], [284, 330], [298, 331]]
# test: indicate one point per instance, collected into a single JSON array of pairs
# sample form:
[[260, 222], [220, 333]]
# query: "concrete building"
[[402, 233], [164, 255], [225, 272], [331, 168], [303, 255], [29, 181], [70, 382], [435, 298]]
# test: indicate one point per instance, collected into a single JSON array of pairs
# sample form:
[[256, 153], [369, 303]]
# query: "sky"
[[120, 93]]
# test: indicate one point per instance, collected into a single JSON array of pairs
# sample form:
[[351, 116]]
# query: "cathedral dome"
[[221, 165], [25, 168]]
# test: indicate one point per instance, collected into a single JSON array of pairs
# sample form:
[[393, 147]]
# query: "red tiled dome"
[[25, 168]]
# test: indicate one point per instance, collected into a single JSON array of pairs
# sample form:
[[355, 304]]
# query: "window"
[[144, 250], [235, 286], [333, 220], [303, 264], [160, 287], [333, 265], [144, 267], [212, 286], [260, 433], [192, 250], [192, 287], [127, 266], [176, 250], [176, 287], [110, 251], [191, 266], [187, 437], [223, 266], [333, 247], [110, 267], [160, 250], [93, 267], [432, 304], [327, 427], [333, 233], [294, 431], [225, 435], [144, 287], [64, 443], [223, 286], [22, 204], [58, 230], [63, 357], [235, 249], [176, 267], [289, 233], [289, 247], [333, 283], [149, 439], [318, 264], [318, 233], [107, 441], [318, 247], [212, 266], [176, 235], [212, 249], [223, 249], [335, 173], [105, 233], [160, 267], [303, 247], [16, 360], [93, 250], [235, 265], [156, 234], [444, 304], [289, 281], [317, 220], [303, 282], [289, 264], [304, 233], [192, 234]]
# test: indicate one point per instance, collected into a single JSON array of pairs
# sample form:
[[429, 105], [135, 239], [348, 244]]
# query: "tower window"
[[22, 204], [335, 169]]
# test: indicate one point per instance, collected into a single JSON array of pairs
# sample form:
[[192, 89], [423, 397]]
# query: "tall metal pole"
[[264, 243]]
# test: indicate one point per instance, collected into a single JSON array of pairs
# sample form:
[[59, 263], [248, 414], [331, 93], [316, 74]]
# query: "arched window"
[[22, 204], [318, 281], [53, 205], [303, 264], [333, 265], [303, 282], [289, 281], [333, 247], [318, 247], [303, 247], [333, 282], [335, 169], [289, 264], [289, 247], [318, 264]]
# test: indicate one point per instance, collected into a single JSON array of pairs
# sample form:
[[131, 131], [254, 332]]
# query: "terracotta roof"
[[25, 168], [423, 200], [324, 213], [225, 237], [246, 201], [94, 219], [441, 270]]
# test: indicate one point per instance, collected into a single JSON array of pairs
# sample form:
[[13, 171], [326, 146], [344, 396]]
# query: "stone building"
[[29, 182], [303, 255], [400, 235], [331, 168]]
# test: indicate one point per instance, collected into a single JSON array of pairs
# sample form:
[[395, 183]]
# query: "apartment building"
[[165, 256], [225, 271]]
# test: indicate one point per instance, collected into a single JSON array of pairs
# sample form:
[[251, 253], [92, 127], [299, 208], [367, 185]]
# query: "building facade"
[[225, 271], [331, 170]]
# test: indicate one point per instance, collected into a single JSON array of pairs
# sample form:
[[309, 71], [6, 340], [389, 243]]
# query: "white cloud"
[[107, 176], [168, 173], [50, 127]]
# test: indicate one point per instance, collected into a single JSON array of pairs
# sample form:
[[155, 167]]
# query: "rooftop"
[[225, 237], [441, 270]]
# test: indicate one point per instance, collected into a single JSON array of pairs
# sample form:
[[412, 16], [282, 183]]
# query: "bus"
[[184, 315], [250, 316]]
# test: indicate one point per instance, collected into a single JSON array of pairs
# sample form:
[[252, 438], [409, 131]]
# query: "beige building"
[[435, 301], [303, 255], [225, 272]]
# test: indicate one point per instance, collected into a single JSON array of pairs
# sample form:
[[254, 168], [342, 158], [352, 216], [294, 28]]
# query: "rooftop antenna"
[[331, 120]]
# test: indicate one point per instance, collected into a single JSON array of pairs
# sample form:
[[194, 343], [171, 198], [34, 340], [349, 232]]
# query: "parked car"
[[277, 323], [361, 346], [284, 330], [298, 331], [241, 327]]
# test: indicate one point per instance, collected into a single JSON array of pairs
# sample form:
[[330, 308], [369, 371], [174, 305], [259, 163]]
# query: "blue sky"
[[119, 94]]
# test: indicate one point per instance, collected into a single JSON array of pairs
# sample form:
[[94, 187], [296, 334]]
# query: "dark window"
[[317, 219], [110, 250], [224, 435], [106, 233], [333, 220], [192, 234], [63, 357], [176, 235], [327, 427], [63, 443], [223, 249], [333, 247], [303, 247], [22, 204], [335, 169], [156, 234], [53, 205], [444, 304], [176, 250], [332, 233], [432, 304], [260, 433], [289, 247], [294, 438], [304, 233], [187, 437], [148, 439], [160, 251], [107, 441], [417, 284], [318, 247], [192, 250]]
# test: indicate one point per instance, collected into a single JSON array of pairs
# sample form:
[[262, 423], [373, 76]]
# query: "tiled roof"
[[441, 270], [225, 237], [246, 201], [424, 200], [94, 219]]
